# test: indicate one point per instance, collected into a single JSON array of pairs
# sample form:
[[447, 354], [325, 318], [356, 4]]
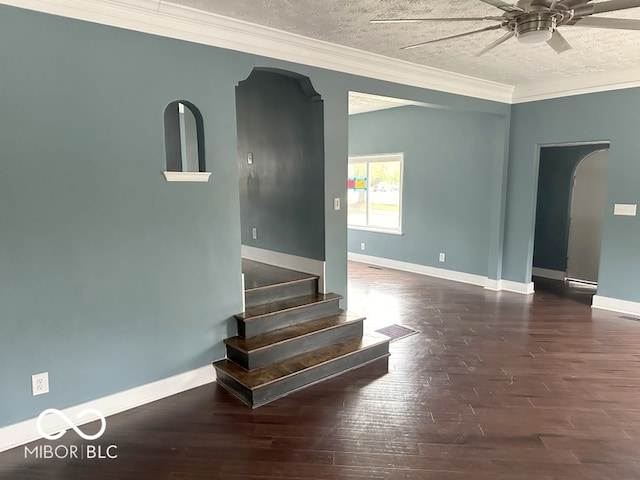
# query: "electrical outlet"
[[441, 257], [40, 383], [250, 158], [362, 246], [336, 203], [254, 233]]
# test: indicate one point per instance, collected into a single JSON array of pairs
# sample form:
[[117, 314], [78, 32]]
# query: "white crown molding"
[[615, 305], [159, 17], [24, 432], [176, 21], [579, 85]]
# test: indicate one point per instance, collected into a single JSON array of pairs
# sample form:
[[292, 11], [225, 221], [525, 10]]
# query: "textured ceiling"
[[364, 102], [346, 22]]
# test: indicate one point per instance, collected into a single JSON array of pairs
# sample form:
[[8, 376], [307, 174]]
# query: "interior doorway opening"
[[588, 199], [569, 217], [280, 127]]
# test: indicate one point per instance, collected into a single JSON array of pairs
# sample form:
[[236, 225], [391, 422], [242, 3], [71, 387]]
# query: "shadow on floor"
[[578, 292]]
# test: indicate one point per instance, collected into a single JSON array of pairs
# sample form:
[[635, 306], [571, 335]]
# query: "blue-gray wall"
[[110, 277], [448, 183], [280, 122], [555, 181], [608, 116]]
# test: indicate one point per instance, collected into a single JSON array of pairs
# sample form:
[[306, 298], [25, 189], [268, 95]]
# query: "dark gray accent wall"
[[280, 122], [555, 180], [448, 184]]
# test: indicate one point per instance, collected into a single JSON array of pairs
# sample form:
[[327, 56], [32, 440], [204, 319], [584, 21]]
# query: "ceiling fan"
[[535, 21]]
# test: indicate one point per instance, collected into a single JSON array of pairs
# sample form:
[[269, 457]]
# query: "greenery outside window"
[[374, 192]]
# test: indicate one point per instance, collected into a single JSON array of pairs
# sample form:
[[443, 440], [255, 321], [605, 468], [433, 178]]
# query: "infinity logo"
[[66, 419]]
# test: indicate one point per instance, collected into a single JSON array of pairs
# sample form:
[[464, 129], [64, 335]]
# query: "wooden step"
[[265, 283], [263, 385], [280, 291], [276, 315], [272, 347]]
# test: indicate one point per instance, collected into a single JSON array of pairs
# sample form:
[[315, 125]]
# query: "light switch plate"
[[336, 203], [626, 209]]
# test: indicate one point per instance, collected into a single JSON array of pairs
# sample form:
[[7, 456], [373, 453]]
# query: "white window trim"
[[395, 231], [381, 157], [187, 176]]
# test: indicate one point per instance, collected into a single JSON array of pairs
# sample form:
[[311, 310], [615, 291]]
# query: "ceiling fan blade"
[[615, 23], [417, 20], [504, 6], [558, 42], [608, 6], [570, 4], [495, 43], [493, 27]]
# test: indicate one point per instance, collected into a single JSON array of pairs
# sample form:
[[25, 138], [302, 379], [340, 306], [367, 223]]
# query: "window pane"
[[384, 197], [357, 194]]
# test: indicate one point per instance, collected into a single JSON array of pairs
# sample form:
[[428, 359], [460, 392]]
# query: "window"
[[184, 143], [374, 189]]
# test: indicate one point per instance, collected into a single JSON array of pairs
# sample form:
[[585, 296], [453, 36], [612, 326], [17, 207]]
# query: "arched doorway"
[[586, 217], [280, 128], [565, 170]]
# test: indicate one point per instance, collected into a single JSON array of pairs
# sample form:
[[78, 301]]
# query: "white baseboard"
[[547, 273], [493, 285], [517, 287], [615, 305], [24, 432], [469, 278], [509, 286], [244, 307], [421, 269], [284, 260]]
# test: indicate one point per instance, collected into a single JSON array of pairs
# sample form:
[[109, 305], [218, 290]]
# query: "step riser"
[[276, 293], [248, 329], [279, 352], [234, 387], [273, 391]]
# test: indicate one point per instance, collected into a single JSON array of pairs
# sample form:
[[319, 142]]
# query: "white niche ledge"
[[187, 176]]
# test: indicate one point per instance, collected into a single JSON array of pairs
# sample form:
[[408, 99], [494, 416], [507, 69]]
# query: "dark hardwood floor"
[[495, 386]]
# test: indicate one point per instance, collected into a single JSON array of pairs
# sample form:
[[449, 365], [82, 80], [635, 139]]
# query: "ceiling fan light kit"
[[537, 21], [535, 27]]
